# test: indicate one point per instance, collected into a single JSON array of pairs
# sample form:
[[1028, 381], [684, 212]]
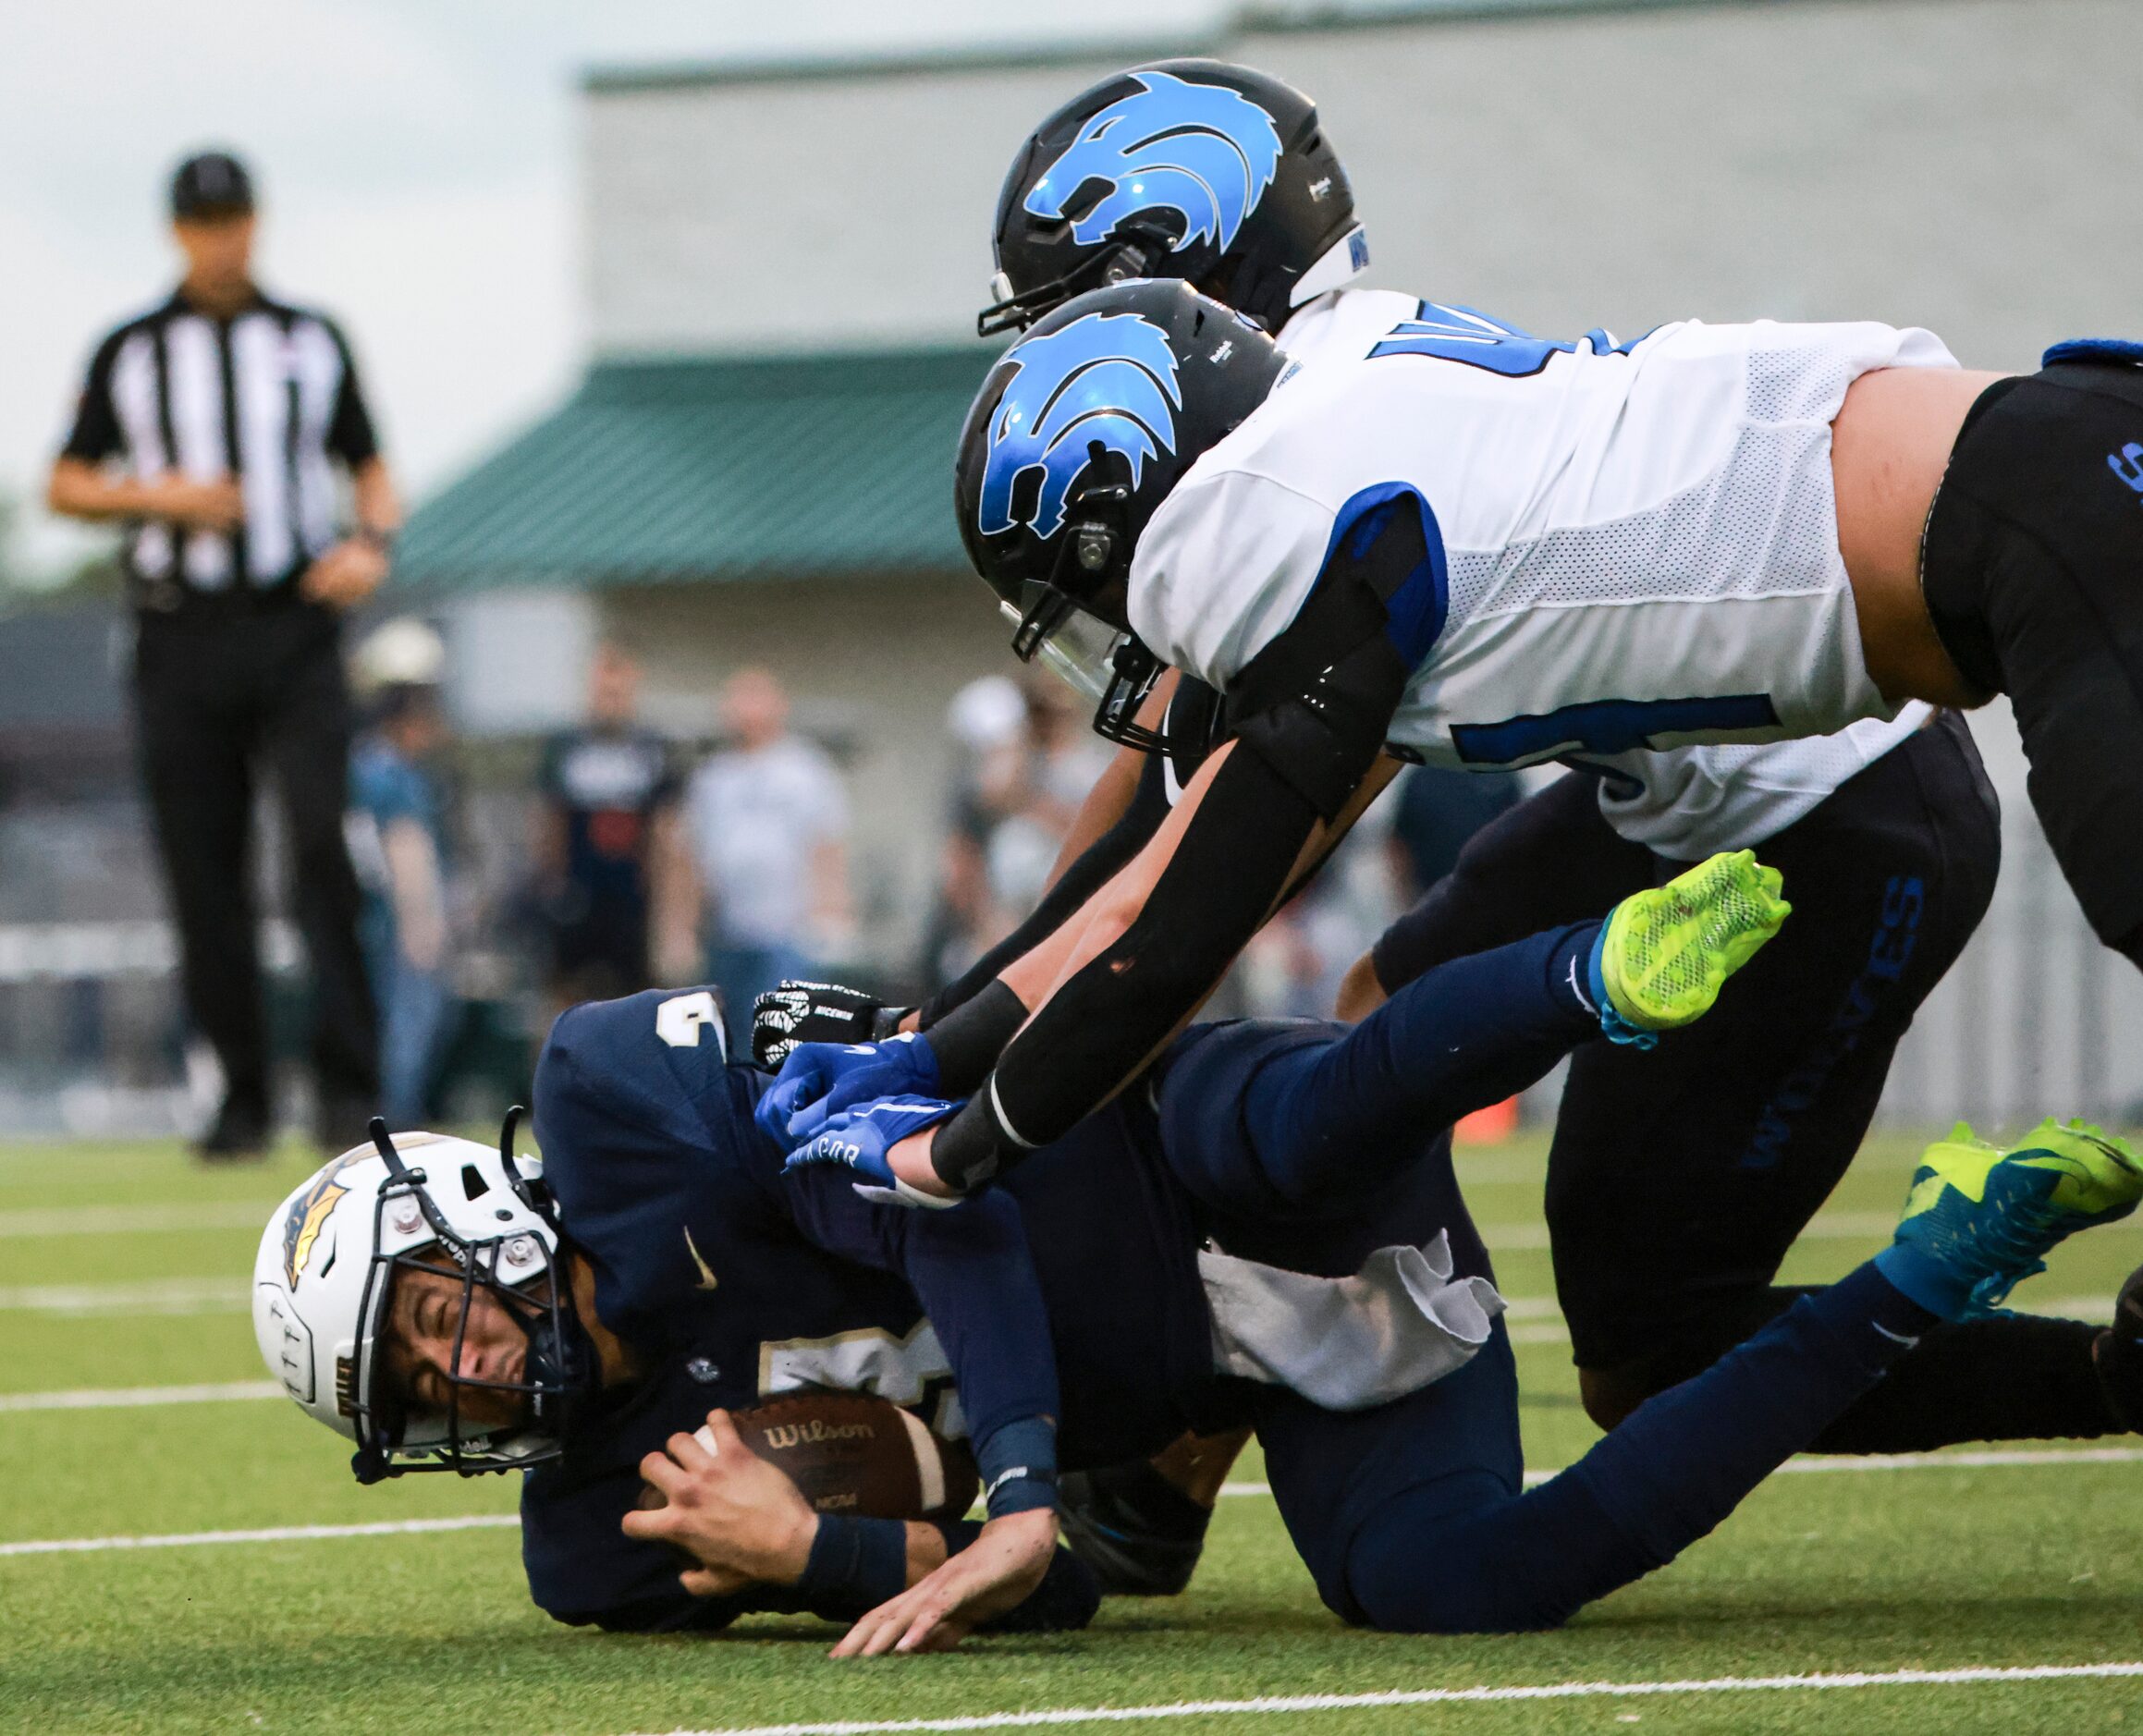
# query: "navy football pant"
[[1289, 1115], [1412, 1516]]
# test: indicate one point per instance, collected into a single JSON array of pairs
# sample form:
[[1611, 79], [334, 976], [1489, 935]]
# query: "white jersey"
[[1635, 549]]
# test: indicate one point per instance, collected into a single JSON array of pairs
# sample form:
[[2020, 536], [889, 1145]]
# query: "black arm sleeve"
[[350, 435], [1086, 876], [1309, 715], [1215, 892], [95, 435]]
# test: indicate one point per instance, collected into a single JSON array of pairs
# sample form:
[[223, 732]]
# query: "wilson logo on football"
[[782, 1436]]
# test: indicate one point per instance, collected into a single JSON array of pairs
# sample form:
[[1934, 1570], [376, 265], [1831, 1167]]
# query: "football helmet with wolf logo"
[[1078, 434], [1184, 168], [324, 1282]]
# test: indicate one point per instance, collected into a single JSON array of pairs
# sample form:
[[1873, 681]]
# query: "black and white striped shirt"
[[270, 395]]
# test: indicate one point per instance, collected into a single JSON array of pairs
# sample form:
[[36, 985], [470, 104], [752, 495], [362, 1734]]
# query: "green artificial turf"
[[1919, 1569]]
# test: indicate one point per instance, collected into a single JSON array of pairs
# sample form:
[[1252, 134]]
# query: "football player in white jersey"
[[1585, 551]]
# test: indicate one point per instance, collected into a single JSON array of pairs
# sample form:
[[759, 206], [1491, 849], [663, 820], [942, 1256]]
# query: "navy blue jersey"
[[733, 1280]]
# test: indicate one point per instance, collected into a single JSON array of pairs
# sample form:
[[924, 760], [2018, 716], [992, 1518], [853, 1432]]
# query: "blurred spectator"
[[239, 565], [768, 822], [612, 878], [1022, 764], [1434, 811], [1035, 783], [397, 839], [986, 717]]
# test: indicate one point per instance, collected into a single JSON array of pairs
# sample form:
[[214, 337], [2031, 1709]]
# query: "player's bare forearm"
[[1105, 918], [996, 1573], [1360, 993]]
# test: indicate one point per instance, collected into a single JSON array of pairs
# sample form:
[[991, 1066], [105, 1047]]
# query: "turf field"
[[122, 1272]]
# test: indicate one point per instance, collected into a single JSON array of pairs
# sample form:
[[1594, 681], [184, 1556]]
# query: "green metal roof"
[[713, 469]]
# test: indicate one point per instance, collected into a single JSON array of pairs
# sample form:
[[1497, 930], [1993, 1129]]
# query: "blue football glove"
[[864, 1138], [819, 1079]]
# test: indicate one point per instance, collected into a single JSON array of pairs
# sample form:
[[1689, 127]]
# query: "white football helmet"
[[326, 1271]]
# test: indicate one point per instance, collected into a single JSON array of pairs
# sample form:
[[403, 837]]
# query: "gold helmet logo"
[[309, 1212]]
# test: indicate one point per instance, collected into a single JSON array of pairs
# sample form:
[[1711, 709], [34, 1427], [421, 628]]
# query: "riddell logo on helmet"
[[784, 1436]]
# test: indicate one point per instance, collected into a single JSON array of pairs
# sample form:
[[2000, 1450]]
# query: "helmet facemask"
[[1134, 251], [523, 1274], [1073, 622]]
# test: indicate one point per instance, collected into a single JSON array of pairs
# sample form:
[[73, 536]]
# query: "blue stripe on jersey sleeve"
[[1417, 608]]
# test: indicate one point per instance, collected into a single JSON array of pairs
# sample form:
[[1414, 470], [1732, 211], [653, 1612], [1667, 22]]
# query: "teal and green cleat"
[[1979, 1219], [1663, 955]]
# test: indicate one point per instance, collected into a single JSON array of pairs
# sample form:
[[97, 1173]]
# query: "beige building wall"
[[807, 211], [1971, 165]]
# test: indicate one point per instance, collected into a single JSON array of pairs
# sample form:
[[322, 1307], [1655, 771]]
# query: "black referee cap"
[[212, 184]]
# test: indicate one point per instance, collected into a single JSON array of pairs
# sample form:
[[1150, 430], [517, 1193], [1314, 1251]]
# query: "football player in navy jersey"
[[446, 1309]]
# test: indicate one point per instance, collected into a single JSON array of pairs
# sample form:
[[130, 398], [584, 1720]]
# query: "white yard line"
[[38, 1222], [1299, 1702], [160, 1296], [127, 1397], [273, 1534]]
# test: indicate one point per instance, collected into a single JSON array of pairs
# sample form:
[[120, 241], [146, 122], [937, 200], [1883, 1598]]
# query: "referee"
[[212, 427]]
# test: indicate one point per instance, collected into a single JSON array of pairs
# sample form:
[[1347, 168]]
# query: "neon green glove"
[[1663, 956]]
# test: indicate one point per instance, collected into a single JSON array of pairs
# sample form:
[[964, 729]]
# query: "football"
[[855, 1454]]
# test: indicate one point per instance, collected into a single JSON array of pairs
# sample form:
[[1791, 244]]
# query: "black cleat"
[[239, 1135], [2117, 1354], [1140, 1533]]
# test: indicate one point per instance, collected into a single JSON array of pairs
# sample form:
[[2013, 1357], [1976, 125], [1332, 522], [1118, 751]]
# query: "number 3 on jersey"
[[679, 1020], [1446, 332]]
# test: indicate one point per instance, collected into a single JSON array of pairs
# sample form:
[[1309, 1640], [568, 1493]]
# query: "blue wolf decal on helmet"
[[1106, 378], [1203, 150], [1079, 433], [1217, 175]]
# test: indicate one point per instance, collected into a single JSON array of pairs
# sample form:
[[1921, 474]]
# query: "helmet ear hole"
[[474, 1185]]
